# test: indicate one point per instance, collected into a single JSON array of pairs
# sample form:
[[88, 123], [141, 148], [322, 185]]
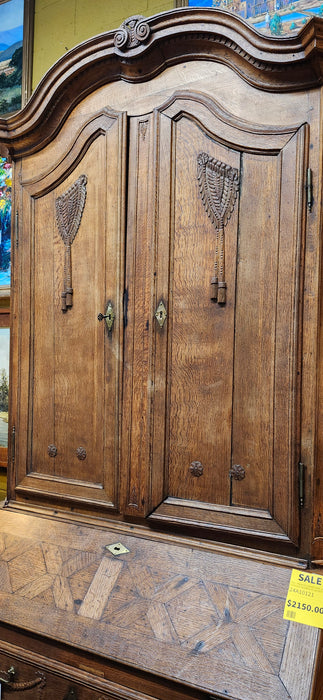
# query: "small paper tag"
[[304, 602]]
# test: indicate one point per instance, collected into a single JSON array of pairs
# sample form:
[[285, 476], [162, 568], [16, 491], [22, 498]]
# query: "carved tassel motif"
[[218, 184], [69, 210]]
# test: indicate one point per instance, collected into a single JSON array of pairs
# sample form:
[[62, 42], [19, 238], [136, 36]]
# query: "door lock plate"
[[161, 313], [117, 548]]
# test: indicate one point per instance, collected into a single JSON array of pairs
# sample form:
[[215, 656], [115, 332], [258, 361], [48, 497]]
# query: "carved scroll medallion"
[[69, 210], [133, 31], [218, 184]]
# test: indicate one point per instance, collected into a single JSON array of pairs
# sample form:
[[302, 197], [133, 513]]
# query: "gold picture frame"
[[16, 50]]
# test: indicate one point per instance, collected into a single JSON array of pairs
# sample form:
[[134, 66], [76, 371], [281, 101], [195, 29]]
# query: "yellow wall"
[[61, 24]]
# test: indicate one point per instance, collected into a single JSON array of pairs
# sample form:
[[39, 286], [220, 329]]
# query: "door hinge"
[[301, 476], [17, 228], [13, 444], [309, 189]]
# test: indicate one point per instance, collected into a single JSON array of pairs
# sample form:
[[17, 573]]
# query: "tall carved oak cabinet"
[[166, 367]]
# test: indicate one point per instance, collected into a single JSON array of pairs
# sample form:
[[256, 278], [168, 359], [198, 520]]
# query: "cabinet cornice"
[[170, 38]]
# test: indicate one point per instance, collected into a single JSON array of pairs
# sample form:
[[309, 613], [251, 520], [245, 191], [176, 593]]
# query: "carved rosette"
[[81, 453], [52, 450], [196, 468], [133, 31], [219, 185], [237, 472]]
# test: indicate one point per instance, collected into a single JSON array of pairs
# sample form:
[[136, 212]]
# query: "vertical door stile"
[[236, 292], [257, 281], [120, 287], [170, 272], [163, 294], [30, 233], [289, 326], [140, 284]]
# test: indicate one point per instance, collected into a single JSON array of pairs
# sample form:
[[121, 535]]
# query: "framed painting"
[[16, 34], [5, 226], [4, 392], [16, 41], [272, 17]]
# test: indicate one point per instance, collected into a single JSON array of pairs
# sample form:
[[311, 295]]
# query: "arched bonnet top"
[[142, 48]]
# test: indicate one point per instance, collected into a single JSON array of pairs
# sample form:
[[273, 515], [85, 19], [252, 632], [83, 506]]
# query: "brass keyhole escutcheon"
[[161, 313], [117, 548]]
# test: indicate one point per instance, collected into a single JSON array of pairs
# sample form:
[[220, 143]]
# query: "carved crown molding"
[[141, 49]]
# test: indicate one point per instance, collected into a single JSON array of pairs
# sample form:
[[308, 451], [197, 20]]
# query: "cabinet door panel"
[[254, 356], [229, 464], [202, 333], [75, 361]]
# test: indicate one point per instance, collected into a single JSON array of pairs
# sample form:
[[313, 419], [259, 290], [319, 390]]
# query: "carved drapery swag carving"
[[219, 184], [69, 210], [133, 31]]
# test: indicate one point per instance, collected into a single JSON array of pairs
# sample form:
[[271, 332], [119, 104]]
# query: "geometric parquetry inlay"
[[197, 615], [186, 613]]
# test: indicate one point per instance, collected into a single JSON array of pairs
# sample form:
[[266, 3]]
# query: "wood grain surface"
[[198, 424], [211, 621]]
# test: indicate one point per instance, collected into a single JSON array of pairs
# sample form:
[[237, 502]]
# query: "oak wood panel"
[[202, 76], [210, 621], [269, 211], [180, 616], [181, 538], [274, 140], [201, 342], [254, 363], [83, 411], [293, 62], [297, 649]]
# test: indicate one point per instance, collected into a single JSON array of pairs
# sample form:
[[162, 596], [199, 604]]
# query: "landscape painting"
[[5, 223], [272, 17], [4, 386], [11, 43]]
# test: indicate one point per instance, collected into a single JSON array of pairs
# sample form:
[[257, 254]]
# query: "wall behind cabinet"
[[61, 24]]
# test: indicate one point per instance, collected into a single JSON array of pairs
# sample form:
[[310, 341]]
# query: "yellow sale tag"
[[304, 602]]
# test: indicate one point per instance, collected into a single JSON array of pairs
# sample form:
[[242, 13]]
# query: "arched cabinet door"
[[214, 282], [69, 269], [184, 228]]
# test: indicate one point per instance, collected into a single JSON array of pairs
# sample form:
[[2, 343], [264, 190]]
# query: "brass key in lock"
[[109, 316]]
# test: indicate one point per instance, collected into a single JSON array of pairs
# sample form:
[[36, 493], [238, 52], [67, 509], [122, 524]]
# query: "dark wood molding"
[[279, 65]]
